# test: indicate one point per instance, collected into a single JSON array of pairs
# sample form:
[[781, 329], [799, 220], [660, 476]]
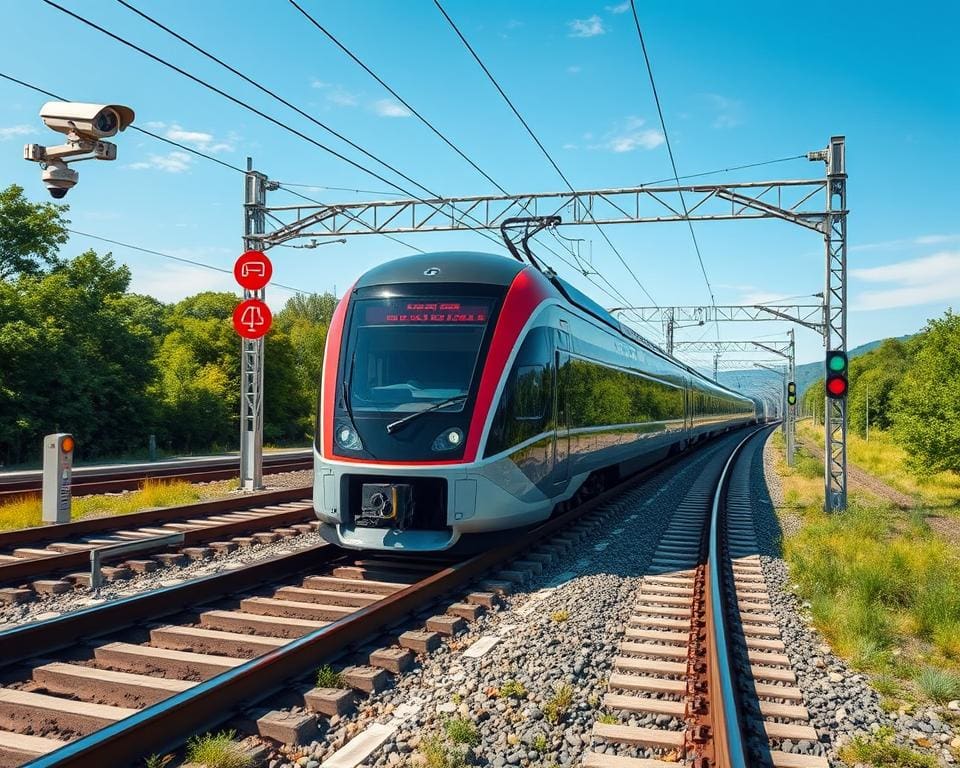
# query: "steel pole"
[[251, 352], [791, 409]]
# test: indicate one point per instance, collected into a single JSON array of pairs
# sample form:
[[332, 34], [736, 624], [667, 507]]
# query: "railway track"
[[92, 480], [31, 557], [114, 683], [701, 658]]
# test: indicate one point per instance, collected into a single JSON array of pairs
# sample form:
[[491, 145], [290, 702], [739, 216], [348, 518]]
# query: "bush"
[[939, 685], [218, 751]]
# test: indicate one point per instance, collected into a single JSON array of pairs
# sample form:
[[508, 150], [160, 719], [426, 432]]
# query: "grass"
[[539, 743], [558, 704], [512, 689], [26, 512], [939, 685], [158, 761], [883, 458], [460, 730], [328, 677], [880, 750], [883, 588], [218, 750], [607, 718], [560, 616], [439, 754]]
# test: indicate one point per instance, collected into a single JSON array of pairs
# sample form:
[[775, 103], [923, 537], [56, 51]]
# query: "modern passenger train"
[[466, 394]]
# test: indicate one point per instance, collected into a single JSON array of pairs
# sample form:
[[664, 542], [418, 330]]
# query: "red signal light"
[[837, 386]]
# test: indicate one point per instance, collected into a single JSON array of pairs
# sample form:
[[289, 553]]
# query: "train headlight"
[[448, 440], [347, 437]]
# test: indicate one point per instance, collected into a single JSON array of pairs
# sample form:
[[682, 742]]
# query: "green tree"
[[813, 400], [874, 376], [75, 359], [30, 233], [926, 401]]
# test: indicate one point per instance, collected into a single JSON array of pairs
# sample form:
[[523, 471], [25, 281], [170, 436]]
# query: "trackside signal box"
[[791, 393], [57, 476]]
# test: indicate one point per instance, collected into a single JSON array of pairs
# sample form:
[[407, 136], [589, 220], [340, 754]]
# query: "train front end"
[[405, 394]]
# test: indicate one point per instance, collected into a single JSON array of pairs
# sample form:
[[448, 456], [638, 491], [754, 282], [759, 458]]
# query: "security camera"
[[88, 121], [59, 179], [86, 126]]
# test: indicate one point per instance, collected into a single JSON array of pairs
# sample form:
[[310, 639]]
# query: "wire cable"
[[195, 263], [538, 142], [673, 164]]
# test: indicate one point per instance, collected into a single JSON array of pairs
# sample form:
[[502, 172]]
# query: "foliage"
[[158, 761], [881, 751], [927, 401], [558, 704], [29, 233], [328, 677], [540, 743], [460, 730], [560, 616], [218, 751], [607, 718]]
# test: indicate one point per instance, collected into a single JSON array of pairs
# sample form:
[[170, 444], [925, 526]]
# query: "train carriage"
[[467, 394]]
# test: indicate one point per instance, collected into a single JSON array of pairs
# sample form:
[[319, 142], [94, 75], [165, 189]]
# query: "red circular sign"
[[837, 386], [252, 318], [253, 270]]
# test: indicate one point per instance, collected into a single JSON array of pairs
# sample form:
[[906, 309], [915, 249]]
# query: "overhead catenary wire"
[[260, 113], [673, 164], [537, 141]]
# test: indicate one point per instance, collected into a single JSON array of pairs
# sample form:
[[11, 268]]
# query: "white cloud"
[[574, 69], [172, 162], [12, 131], [586, 27], [727, 111], [202, 140], [174, 281], [619, 7], [343, 98], [906, 242], [918, 281], [390, 108], [628, 136], [315, 83]]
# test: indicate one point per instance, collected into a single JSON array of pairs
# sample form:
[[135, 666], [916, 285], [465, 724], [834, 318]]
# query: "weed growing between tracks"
[[883, 588], [881, 751], [218, 750], [26, 512]]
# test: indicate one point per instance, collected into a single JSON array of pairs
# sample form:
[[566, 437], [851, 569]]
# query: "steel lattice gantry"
[[796, 201]]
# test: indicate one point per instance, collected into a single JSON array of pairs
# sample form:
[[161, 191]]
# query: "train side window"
[[529, 392]]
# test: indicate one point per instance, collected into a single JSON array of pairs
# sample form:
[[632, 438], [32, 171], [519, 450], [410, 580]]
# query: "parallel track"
[[92, 480]]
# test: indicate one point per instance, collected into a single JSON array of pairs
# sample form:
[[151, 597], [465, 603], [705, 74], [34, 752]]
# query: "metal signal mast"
[[793, 201]]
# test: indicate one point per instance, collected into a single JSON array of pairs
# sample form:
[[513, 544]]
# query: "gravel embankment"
[[841, 701]]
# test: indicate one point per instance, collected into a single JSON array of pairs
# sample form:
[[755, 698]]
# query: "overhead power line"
[[673, 164], [195, 263], [536, 140]]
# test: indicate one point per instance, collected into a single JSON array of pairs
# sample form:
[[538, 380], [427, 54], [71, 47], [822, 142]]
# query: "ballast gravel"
[[561, 630], [841, 701]]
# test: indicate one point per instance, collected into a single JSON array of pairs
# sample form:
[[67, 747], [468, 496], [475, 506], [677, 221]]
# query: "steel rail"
[[166, 724], [728, 737]]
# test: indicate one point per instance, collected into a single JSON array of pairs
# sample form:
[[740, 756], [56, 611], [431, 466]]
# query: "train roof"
[[452, 266]]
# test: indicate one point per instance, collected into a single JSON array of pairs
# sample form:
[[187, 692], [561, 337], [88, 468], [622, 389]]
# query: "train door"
[[561, 441]]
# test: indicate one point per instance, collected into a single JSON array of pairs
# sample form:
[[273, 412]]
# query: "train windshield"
[[409, 354]]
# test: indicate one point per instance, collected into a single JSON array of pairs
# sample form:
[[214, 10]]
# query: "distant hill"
[[807, 373]]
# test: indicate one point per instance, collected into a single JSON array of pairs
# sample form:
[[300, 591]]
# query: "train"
[[465, 395]]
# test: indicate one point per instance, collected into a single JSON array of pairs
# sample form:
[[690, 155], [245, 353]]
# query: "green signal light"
[[837, 362]]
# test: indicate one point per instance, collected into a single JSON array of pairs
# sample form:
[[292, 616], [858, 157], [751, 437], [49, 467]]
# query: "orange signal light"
[[67, 444]]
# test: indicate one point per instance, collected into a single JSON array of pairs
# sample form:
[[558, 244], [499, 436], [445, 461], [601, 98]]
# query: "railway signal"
[[57, 476], [253, 270], [791, 393], [836, 383]]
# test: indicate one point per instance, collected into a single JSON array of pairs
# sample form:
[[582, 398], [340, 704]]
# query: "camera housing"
[[88, 121], [59, 179]]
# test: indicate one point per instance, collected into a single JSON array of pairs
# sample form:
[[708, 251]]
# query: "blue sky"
[[739, 83]]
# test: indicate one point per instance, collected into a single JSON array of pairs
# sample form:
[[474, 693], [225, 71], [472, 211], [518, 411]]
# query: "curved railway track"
[[93, 480], [702, 652]]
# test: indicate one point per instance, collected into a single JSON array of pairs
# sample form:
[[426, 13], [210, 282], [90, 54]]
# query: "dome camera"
[[59, 179]]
